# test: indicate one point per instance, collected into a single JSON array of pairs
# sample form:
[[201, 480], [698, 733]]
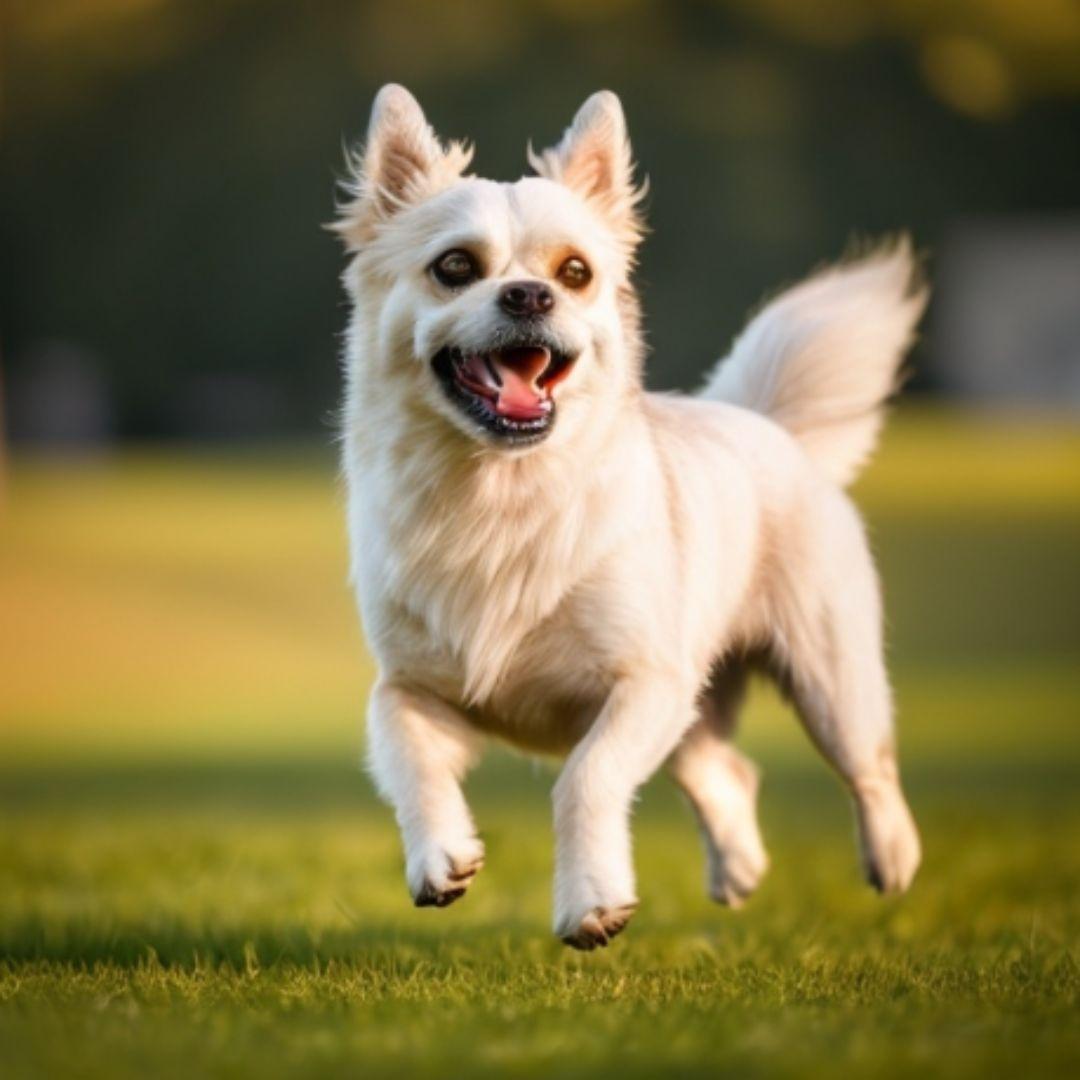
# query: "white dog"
[[546, 553]]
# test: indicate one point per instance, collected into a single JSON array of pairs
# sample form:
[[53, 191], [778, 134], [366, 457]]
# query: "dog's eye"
[[455, 268], [574, 273]]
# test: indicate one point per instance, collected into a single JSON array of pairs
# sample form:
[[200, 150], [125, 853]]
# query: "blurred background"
[[170, 312], [182, 672], [165, 166], [172, 556]]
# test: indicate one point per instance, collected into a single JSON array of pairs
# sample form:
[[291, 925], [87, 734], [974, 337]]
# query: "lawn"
[[195, 878]]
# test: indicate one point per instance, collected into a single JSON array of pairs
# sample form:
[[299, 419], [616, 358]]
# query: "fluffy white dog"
[[545, 553]]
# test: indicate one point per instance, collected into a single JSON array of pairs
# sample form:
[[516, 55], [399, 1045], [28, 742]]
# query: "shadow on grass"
[[248, 947], [305, 789], [295, 788]]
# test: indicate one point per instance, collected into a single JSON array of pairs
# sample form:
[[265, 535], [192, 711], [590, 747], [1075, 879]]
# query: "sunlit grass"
[[936, 461], [178, 602], [195, 879]]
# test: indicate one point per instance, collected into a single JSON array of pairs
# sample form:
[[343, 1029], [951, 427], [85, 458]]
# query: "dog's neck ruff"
[[481, 547]]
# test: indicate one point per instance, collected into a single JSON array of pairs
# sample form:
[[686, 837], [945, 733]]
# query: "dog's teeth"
[[492, 372]]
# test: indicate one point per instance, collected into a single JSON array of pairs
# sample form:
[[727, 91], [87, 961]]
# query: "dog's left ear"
[[594, 159], [402, 163]]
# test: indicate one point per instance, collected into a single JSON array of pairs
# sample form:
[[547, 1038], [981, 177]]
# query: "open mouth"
[[506, 391]]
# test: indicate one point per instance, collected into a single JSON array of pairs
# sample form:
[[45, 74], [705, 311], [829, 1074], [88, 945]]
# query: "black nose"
[[526, 299]]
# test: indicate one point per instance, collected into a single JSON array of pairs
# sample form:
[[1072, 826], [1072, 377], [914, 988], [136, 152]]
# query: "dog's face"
[[504, 308]]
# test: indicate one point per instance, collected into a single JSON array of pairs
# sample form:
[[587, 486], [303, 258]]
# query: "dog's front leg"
[[639, 725], [418, 750]]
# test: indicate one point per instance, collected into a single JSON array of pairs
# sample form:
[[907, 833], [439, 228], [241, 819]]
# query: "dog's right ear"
[[401, 163]]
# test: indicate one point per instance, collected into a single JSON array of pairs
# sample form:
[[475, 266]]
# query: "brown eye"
[[574, 273], [455, 269]]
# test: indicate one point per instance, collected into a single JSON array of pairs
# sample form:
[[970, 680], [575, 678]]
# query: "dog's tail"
[[822, 358]]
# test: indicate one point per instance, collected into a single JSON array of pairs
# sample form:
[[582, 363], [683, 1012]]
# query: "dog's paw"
[[736, 871], [596, 927], [438, 877], [888, 838]]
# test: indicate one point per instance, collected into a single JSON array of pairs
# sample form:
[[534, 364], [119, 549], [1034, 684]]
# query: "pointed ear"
[[401, 163], [594, 159]]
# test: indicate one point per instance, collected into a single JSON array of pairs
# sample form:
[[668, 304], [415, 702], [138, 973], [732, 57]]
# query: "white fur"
[[600, 595]]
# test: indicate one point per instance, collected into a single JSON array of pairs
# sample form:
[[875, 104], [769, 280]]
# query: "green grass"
[[195, 879]]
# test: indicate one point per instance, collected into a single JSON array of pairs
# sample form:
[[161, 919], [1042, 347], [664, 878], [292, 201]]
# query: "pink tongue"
[[518, 369]]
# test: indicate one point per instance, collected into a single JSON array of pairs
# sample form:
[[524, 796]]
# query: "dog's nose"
[[526, 299]]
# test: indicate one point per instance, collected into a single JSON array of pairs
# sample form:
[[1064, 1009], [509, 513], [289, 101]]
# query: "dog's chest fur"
[[477, 577]]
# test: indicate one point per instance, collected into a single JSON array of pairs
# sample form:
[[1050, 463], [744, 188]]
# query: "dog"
[[545, 553]]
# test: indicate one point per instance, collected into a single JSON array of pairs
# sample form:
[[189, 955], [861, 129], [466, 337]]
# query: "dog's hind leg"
[[828, 658], [418, 751], [721, 785]]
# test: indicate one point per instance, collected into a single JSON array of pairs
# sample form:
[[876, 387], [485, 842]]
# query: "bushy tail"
[[822, 358]]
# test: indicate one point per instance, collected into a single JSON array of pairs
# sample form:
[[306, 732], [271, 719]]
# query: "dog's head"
[[504, 308]]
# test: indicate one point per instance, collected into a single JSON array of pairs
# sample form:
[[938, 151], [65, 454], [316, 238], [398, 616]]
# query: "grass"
[[194, 879]]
